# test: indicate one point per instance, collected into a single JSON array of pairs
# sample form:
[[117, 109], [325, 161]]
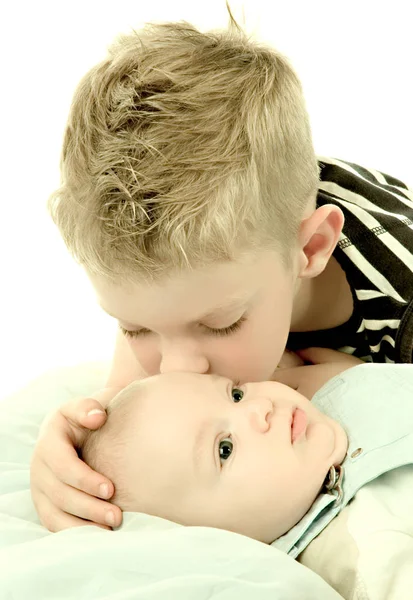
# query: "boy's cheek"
[[146, 355]]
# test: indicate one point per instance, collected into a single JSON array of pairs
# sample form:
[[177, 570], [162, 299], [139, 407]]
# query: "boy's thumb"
[[94, 415], [85, 413]]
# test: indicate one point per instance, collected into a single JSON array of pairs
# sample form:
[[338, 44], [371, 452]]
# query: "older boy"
[[191, 196]]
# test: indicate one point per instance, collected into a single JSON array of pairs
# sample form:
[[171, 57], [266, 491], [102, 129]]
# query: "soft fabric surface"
[[146, 558]]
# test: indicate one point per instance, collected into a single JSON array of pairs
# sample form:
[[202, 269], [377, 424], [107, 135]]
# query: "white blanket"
[[147, 558]]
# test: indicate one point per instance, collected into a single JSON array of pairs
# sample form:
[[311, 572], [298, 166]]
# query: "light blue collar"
[[374, 405]]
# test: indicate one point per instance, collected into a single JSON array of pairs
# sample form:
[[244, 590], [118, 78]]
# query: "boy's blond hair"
[[183, 149]]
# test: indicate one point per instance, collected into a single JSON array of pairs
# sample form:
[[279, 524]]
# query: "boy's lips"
[[298, 424]]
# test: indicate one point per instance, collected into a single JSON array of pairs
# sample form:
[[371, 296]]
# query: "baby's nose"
[[260, 411]]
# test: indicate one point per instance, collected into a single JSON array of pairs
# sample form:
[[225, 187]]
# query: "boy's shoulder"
[[353, 177], [375, 250], [373, 202]]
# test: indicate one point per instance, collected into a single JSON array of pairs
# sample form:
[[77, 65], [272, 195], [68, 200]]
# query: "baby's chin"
[[340, 444], [328, 442]]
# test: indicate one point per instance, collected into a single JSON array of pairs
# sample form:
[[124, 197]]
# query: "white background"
[[355, 62]]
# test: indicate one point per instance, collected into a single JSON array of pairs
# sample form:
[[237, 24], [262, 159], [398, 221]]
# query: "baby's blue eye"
[[237, 394], [225, 448]]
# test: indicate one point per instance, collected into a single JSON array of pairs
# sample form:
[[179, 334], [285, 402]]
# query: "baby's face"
[[250, 459]]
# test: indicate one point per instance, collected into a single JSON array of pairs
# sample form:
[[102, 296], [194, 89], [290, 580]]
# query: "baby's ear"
[[318, 238]]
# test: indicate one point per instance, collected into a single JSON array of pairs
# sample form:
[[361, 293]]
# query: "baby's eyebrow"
[[202, 449], [204, 442]]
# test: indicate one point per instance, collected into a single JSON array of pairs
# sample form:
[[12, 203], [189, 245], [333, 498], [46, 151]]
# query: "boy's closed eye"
[[218, 331]]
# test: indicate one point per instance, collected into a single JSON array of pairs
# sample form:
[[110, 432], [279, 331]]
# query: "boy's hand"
[[65, 490], [325, 364]]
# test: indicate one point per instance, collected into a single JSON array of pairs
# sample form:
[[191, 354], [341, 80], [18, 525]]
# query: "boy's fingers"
[[84, 413], [75, 502], [74, 472], [56, 520], [64, 464], [75, 419]]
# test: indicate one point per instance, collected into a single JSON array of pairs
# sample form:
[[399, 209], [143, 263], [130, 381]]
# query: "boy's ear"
[[318, 238]]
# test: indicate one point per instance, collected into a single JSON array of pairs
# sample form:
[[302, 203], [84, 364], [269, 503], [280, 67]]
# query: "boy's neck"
[[323, 302]]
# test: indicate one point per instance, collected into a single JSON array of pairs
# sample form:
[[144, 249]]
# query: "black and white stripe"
[[375, 250]]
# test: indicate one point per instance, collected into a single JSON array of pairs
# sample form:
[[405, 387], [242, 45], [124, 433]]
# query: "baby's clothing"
[[375, 250], [366, 553], [374, 405]]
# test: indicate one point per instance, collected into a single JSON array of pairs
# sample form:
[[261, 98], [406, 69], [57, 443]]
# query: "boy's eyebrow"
[[233, 303], [230, 304]]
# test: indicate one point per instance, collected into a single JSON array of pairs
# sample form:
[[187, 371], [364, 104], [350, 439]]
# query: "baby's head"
[[196, 450]]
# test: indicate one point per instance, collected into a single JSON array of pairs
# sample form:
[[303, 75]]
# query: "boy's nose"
[[178, 360], [260, 412]]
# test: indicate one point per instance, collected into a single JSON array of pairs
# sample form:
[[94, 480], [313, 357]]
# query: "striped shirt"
[[375, 250]]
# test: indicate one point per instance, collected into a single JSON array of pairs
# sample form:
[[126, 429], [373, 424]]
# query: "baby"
[[199, 450]]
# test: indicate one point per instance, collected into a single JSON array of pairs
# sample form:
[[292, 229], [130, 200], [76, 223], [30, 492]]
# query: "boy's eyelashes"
[[227, 330], [132, 333], [223, 331]]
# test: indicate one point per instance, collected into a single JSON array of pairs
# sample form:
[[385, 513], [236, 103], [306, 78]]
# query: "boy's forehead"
[[127, 305], [196, 294], [194, 312]]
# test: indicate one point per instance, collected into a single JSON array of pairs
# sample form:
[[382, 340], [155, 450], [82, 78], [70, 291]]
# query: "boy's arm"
[[322, 365], [125, 369]]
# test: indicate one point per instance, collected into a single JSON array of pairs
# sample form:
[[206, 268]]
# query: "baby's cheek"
[[321, 438]]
